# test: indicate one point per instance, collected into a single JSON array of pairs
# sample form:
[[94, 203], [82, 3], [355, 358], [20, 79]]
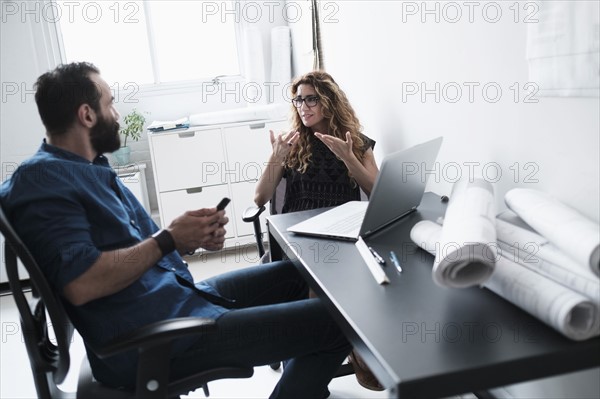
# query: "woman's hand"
[[282, 144], [342, 149], [364, 172]]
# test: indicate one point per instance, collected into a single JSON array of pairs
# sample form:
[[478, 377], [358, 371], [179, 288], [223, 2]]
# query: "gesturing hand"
[[283, 143], [342, 149]]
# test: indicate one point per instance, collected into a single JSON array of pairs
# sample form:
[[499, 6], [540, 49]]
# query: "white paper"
[[563, 226], [168, 124], [568, 312], [534, 252], [563, 48], [467, 248], [584, 286]]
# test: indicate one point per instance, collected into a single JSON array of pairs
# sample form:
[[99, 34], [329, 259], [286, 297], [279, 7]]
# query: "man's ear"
[[86, 115]]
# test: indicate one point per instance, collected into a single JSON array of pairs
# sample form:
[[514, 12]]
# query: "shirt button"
[[173, 269], [132, 222]]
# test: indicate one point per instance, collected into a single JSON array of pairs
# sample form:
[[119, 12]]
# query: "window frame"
[[54, 40]]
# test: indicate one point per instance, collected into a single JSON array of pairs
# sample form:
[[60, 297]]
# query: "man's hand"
[[199, 228]]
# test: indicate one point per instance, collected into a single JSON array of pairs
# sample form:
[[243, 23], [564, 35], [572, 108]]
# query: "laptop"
[[398, 191]]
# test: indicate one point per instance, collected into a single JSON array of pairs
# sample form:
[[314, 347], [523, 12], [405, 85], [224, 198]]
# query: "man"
[[116, 271]]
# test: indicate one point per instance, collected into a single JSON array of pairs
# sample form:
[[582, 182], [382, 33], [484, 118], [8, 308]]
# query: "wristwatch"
[[165, 241]]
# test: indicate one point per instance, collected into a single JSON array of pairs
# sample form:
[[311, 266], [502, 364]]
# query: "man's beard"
[[104, 136]]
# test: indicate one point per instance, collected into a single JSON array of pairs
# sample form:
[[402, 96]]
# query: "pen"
[[374, 266], [377, 257], [395, 261]]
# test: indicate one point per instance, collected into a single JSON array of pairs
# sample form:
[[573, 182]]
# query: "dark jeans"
[[273, 321]]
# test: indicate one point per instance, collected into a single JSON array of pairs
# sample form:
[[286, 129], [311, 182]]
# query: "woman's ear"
[[86, 115]]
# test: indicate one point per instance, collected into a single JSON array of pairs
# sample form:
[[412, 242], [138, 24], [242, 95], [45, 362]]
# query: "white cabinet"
[[196, 167], [134, 178], [187, 159]]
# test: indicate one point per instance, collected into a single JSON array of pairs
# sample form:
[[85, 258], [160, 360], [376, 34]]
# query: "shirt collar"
[[68, 155]]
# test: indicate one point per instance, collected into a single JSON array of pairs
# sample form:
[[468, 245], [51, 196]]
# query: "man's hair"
[[60, 93]]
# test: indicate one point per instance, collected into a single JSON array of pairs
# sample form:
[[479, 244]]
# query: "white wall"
[[374, 54], [21, 130]]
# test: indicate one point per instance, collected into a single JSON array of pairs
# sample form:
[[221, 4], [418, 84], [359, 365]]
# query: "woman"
[[326, 161]]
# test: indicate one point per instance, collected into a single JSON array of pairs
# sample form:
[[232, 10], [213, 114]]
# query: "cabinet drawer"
[[175, 203], [248, 148], [188, 159]]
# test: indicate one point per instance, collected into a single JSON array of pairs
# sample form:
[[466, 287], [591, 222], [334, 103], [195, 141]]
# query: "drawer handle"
[[186, 135], [257, 126], [193, 190]]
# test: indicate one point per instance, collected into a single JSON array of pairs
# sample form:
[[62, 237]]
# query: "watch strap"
[[165, 241]]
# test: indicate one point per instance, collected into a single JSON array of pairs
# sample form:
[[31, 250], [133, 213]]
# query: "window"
[[148, 42]]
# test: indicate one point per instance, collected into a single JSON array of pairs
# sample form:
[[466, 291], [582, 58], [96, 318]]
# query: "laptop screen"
[[400, 185]]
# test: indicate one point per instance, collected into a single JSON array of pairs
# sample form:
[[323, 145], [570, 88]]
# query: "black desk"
[[421, 340]]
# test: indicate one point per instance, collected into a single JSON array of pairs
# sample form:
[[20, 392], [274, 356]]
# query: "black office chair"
[[50, 358], [252, 215]]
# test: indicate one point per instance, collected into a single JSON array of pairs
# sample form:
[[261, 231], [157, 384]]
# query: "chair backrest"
[[276, 202], [48, 356]]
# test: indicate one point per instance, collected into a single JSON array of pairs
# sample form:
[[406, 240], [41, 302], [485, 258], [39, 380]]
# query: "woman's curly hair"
[[336, 110]]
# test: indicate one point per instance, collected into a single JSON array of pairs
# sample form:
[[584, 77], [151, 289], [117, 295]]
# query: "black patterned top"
[[325, 182]]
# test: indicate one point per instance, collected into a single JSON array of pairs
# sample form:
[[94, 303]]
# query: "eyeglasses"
[[310, 101]]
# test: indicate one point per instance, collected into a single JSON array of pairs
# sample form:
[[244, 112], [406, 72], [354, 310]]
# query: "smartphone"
[[223, 203]]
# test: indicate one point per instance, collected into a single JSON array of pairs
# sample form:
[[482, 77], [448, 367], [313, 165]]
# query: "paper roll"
[[467, 249], [426, 234], [562, 225], [254, 67], [568, 312], [281, 64], [533, 251]]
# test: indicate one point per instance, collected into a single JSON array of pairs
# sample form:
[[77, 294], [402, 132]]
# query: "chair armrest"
[[156, 334], [252, 213], [153, 344]]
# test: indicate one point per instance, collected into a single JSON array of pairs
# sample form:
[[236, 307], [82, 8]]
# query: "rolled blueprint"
[[563, 226], [467, 249], [254, 67], [533, 251], [568, 312], [281, 63]]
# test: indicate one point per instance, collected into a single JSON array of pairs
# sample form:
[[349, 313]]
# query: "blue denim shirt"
[[67, 211]]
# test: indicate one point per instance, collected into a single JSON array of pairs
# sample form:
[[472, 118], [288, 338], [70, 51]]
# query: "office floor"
[[15, 376]]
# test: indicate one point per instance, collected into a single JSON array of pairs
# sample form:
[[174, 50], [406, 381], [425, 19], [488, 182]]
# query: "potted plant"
[[134, 126]]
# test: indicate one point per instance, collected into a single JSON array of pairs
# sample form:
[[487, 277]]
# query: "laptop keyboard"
[[351, 223]]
